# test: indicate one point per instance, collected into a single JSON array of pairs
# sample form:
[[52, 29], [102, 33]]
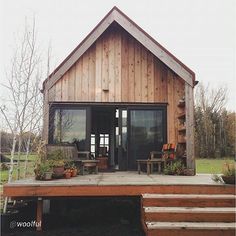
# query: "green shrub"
[[41, 169], [56, 158], [176, 168]]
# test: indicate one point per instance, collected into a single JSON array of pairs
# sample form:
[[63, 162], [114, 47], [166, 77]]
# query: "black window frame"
[[69, 107], [161, 107]]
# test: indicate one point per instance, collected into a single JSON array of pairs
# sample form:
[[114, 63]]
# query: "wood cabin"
[[120, 91], [121, 95]]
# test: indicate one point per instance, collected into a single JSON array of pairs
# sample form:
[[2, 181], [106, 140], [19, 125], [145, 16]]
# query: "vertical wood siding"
[[117, 68]]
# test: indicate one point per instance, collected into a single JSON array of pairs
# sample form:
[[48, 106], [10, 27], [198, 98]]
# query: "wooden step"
[[190, 214], [190, 229], [189, 200]]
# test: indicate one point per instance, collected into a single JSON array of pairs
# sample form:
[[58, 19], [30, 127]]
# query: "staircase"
[[188, 213]]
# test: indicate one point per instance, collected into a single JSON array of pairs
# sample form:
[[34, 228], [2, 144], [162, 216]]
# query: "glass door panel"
[[147, 133], [121, 138]]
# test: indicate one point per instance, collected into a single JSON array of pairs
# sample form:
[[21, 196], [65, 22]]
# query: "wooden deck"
[[115, 184], [119, 184]]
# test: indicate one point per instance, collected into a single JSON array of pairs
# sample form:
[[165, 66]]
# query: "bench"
[[149, 164], [88, 164]]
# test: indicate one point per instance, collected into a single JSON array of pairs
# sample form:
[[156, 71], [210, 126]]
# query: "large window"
[[70, 127], [147, 133]]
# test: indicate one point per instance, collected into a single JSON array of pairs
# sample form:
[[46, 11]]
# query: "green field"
[[211, 166], [30, 172], [31, 157]]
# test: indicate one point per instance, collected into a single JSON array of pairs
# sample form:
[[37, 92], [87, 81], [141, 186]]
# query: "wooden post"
[[139, 168], [148, 167], [39, 214], [45, 114], [189, 127], [159, 167]]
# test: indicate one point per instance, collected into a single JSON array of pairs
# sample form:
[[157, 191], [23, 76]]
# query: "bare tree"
[[22, 111], [209, 105], [35, 116]]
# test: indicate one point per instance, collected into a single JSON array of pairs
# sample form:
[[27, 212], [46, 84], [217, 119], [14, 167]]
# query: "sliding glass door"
[[147, 132], [137, 131]]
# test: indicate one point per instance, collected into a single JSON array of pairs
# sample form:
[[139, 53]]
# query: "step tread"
[[190, 196], [190, 209], [191, 225]]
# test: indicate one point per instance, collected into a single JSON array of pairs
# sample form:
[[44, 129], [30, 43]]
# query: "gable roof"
[[115, 15]]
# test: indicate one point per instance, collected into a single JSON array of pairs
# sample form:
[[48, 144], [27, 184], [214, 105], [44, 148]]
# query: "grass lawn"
[[30, 172], [211, 166], [31, 157]]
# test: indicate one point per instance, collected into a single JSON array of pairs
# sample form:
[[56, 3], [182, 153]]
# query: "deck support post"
[[39, 214]]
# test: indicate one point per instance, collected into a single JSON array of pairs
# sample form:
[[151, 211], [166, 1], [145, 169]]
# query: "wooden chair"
[[167, 155], [85, 162], [156, 159]]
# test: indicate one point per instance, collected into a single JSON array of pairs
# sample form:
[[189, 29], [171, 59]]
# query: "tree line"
[[7, 139], [214, 124]]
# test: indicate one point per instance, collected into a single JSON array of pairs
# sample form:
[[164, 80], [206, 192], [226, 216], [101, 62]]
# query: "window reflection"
[[146, 133], [70, 127]]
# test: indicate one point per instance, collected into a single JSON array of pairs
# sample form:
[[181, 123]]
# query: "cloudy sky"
[[201, 33]]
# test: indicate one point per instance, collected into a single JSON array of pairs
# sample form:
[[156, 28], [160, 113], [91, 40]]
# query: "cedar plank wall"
[[117, 68]]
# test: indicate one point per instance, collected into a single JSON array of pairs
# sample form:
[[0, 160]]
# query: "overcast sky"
[[201, 33]]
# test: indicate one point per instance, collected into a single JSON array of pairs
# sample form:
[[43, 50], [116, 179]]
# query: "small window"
[[104, 141], [93, 145]]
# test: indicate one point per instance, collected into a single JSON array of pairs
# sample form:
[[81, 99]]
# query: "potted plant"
[[73, 170], [43, 171], [56, 159], [71, 166], [67, 173], [228, 174]]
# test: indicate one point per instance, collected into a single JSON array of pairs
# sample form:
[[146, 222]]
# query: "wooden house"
[[121, 94]]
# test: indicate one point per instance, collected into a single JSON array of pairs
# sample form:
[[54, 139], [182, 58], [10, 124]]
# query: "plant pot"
[[38, 177], [58, 171], [47, 175], [228, 179], [188, 172], [74, 173], [67, 175]]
